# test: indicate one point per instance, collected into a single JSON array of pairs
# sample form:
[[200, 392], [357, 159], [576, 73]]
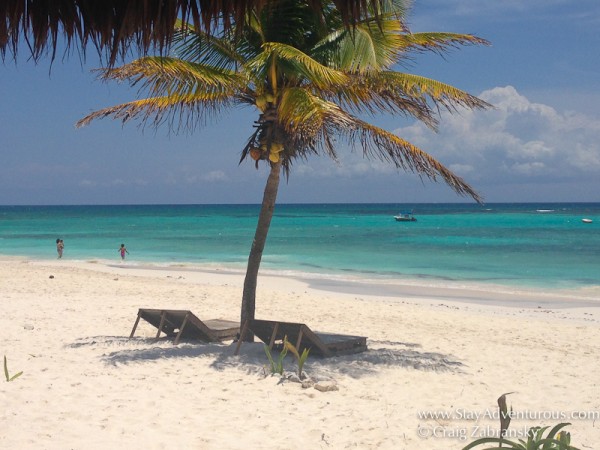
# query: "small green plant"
[[536, 440], [554, 440], [300, 358], [276, 367], [8, 377]]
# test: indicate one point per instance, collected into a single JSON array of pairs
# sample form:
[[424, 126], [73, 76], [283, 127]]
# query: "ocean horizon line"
[[470, 203]]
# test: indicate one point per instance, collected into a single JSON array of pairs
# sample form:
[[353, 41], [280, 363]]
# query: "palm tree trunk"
[[258, 245]]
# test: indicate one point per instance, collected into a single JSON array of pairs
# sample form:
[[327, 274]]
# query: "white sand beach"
[[451, 350]]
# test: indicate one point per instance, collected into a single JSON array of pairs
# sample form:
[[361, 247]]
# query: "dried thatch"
[[113, 26]]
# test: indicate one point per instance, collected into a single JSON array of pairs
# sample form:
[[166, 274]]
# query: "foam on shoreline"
[[443, 290]]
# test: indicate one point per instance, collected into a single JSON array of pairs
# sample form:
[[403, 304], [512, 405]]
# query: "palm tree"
[[309, 77]]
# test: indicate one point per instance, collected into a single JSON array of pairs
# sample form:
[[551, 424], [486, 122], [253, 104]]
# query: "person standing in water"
[[60, 245], [123, 250]]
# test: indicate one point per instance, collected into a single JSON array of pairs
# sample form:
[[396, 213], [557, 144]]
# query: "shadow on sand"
[[252, 358]]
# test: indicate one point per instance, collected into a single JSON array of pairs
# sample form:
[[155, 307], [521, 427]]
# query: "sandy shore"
[[85, 385]]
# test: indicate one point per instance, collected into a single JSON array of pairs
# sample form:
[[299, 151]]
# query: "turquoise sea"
[[508, 244]]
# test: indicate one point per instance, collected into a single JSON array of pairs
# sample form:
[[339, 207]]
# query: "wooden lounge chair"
[[299, 334], [181, 323]]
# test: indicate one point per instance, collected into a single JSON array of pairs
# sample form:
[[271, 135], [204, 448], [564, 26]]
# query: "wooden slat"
[[241, 339], [273, 336], [137, 321], [185, 319], [162, 322], [299, 340]]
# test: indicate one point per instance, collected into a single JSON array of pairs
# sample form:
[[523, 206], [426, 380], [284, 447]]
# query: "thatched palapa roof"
[[113, 26]]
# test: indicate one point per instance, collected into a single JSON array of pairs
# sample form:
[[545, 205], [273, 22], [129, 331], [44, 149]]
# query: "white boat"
[[587, 220], [405, 217]]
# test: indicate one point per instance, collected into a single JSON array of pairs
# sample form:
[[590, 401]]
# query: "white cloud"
[[515, 140], [350, 164], [462, 168], [531, 150], [215, 175], [190, 176], [116, 182], [532, 168], [87, 183]]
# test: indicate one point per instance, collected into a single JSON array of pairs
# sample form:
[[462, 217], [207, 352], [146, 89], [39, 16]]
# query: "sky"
[[540, 142]]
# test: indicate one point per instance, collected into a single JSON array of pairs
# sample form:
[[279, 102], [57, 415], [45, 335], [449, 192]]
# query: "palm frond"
[[416, 86], [368, 47], [180, 111], [310, 124], [316, 121], [437, 42], [195, 45], [373, 94], [317, 74], [301, 112], [401, 93], [289, 22], [386, 146], [253, 27], [164, 76]]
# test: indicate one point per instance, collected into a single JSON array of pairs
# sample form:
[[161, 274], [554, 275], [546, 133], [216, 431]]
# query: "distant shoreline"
[[348, 280], [379, 289]]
